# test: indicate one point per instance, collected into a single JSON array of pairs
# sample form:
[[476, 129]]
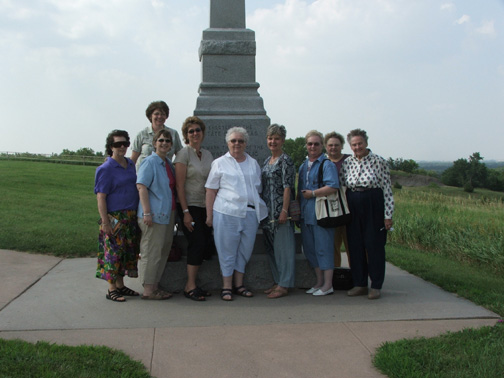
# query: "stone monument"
[[228, 93]]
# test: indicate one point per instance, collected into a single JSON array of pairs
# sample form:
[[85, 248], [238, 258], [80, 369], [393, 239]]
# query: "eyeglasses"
[[192, 131], [161, 140], [240, 141], [121, 143], [314, 144]]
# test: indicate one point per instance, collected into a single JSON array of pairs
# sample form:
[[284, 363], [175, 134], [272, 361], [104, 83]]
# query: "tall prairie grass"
[[453, 223]]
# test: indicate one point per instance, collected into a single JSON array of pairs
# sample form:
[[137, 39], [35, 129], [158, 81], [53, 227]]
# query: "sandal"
[[195, 295], [278, 293], [127, 291], [157, 295], [272, 288], [243, 291], [202, 292], [115, 296], [226, 293]]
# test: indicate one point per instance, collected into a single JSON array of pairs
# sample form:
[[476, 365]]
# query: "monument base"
[[257, 276]]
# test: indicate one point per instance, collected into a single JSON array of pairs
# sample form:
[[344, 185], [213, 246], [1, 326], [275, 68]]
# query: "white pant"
[[234, 239]]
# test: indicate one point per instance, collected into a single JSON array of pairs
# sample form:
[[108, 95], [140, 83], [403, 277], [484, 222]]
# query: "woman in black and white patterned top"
[[371, 203]]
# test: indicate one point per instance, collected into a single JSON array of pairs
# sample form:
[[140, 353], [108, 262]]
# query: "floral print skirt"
[[118, 254]]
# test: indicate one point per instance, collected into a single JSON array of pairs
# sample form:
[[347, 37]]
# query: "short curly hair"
[[239, 130], [157, 105], [334, 134], [110, 139], [193, 120], [276, 129], [357, 132]]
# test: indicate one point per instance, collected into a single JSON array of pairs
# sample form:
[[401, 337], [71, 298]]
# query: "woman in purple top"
[[334, 143], [117, 195]]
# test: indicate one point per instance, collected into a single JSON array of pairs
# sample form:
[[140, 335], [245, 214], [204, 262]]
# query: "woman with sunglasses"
[[117, 198], [192, 165], [156, 214], [234, 208], [318, 242]]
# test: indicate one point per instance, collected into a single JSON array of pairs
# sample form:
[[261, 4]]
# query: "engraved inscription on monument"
[[228, 93]]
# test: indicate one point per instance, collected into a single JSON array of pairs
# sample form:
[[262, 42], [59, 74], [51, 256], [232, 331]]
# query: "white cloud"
[[462, 20], [447, 7], [487, 28]]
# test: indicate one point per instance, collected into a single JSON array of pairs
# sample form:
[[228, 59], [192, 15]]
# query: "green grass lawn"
[[48, 208], [442, 234], [20, 359]]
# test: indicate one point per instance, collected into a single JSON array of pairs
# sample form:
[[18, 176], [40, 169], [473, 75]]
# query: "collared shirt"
[[329, 178], [153, 175], [372, 171], [196, 174], [143, 143], [118, 184], [234, 184]]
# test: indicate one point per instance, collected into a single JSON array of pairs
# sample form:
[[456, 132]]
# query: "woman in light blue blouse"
[[156, 214], [278, 176], [318, 242]]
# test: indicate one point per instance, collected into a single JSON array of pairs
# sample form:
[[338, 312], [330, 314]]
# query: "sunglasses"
[[240, 141], [161, 140], [315, 144], [192, 131], [120, 144]]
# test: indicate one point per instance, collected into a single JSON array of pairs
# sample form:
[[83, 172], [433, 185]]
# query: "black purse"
[[342, 279]]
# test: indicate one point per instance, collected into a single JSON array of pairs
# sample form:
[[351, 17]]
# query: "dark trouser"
[[200, 241], [367, 237]]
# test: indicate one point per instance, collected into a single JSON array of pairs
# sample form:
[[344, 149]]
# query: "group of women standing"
[[232, 196]]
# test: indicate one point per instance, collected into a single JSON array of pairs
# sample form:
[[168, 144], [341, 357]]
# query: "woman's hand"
[[307, 194], [107, 228], [188, 221], [388, 224], [147, 219], [283, 217], [209, 221]]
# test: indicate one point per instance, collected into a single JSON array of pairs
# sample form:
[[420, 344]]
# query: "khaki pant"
[[155, 246]]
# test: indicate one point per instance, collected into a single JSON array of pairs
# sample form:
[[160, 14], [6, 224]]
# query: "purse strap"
[[321, 173]]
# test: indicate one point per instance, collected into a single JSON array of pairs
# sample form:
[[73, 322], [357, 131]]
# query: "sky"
[[424, 78]]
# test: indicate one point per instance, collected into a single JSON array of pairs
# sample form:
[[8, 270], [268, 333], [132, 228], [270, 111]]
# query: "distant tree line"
[[85, 151], [473, 173]]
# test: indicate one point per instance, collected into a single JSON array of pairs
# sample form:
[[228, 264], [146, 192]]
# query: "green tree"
[[296, 149], [85, 151], [466, 171], [409, 166]]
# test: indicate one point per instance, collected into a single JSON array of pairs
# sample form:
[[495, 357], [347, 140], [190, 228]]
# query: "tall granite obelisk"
[[228, 91]]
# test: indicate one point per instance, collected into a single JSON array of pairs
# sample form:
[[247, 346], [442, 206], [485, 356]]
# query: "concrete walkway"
[[60, 301]]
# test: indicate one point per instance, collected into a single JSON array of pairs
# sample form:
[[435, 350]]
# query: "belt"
[[360, 189], [251, 206]]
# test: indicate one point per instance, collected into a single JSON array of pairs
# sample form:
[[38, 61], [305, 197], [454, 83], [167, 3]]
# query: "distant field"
[[451, 222], [51, 208], [48, 208]]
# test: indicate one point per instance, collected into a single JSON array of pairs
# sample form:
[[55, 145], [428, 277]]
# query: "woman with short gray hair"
[[234, 209], [278, 176]]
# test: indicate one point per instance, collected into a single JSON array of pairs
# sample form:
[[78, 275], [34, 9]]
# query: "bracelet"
[[104, 224], [313, 193], [186, 211], [285, 211], [146, 214]]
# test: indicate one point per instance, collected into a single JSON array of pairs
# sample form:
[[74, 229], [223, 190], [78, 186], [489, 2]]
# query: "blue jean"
[[318, 245], [281, 250]]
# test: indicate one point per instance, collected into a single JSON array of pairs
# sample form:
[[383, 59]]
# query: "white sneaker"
[[319, 292], [312, 290]]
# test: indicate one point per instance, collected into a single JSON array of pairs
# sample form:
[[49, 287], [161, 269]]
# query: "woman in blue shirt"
[[318, 242], [156, 214]]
